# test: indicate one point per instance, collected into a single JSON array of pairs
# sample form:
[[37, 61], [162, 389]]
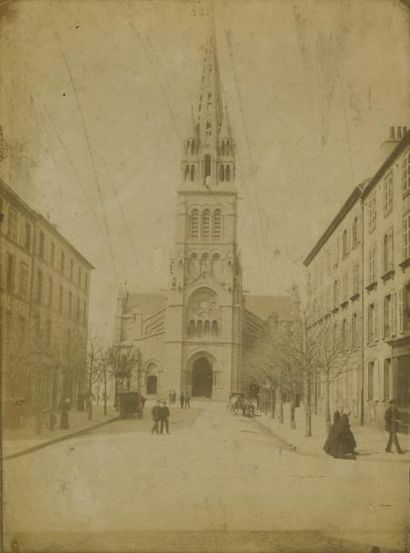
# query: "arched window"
[[199, 328], [227, 148], [193, 264], [217, 225], [186, 172], [192, 172], [223, 147], [204, 262], [194, 224], [221, 173], [193, 147], [207, 170], [207, 328], [214, 330], [216, 264], [191, 328], [205, 224], [227, 173]]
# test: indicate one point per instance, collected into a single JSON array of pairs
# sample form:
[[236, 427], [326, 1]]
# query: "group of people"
[[341, 443], [160, 416], [185, 400]]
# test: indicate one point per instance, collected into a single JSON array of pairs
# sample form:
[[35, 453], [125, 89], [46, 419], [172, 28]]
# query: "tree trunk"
[[105, 395], [308, 408], [327, 402], [272, 404], [292, 411], [280, 403], [265, 402]]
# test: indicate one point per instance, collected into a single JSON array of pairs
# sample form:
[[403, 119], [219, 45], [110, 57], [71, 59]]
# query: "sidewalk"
[[371, 442], [19, 441]]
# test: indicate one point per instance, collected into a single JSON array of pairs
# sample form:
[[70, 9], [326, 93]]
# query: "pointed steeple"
[[209, 151], [210, 107]]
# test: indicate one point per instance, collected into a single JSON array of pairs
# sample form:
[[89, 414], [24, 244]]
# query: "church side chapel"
[[193, 338]]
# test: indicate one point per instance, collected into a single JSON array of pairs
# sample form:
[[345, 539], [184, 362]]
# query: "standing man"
[[164, 417], [187, 401], [392, 418], [182, 399], [156, 411]]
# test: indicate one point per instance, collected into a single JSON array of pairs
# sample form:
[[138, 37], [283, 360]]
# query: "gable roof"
[[148, 304], [263, 306]]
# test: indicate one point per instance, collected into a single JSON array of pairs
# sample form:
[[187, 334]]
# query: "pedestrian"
[[174, 397], [164, 417], [80, 401], [155, 417], [182, 399], [187, 401], [392, 418], [64, 421], [340, 443]]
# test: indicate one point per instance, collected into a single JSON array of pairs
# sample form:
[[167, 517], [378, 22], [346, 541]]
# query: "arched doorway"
[[152, 383], [201, 378]]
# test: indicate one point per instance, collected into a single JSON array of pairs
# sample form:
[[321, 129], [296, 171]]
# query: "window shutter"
[[400, 309], [393, 314]]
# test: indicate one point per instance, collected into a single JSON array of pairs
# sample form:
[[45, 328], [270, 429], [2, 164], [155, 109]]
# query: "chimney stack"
[[396, 135]]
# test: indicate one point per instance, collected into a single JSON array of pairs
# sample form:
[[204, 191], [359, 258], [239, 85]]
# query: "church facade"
[[192, 338]]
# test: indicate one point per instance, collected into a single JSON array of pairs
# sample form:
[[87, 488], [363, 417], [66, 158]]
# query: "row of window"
[[201, 328], [372, 379], [15, 335], [387, 263], [206, 225], [388, 193], [223, 172], [387, 315], [12, 233], [73, 307]]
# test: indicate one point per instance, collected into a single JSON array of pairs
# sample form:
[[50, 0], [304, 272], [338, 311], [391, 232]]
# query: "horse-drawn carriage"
[[239, 405], [130, 404]]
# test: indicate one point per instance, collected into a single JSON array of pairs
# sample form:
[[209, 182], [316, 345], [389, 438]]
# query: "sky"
[[95, 100]]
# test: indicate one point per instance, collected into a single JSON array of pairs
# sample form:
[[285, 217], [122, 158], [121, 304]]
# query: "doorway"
[[152, 382], [202, 378]]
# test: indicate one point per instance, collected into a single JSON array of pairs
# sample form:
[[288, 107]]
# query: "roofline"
[[38, 216], [405, 141], [360, 191], [349, 203]]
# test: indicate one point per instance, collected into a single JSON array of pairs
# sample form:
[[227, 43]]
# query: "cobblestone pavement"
[[216, 483]]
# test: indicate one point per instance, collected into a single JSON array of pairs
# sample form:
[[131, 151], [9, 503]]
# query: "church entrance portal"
[[202, 378], [152, 384]]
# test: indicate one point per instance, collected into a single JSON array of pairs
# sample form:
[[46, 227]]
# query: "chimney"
[[396, 135]]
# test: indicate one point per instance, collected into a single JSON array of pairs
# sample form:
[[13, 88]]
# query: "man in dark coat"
[[155, 417], [164, 417], [392, 418], [182, 399], [187, 401]]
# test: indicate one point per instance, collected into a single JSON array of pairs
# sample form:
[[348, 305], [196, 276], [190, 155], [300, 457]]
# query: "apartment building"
[[45, 286], [358, 280]]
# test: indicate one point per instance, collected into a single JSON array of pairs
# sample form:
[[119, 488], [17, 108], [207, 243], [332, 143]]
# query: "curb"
[[57, 439], [289, 445]]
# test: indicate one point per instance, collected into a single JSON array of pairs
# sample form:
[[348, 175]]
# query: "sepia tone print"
[[204, 275]]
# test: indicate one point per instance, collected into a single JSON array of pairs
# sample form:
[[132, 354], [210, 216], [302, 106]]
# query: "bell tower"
[[204, 302]]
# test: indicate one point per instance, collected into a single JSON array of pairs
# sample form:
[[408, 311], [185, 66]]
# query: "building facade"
[[44, 288], [357, 284], [191, 338]]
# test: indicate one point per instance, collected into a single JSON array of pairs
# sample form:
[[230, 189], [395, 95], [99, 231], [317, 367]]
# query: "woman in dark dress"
[[340, 443]]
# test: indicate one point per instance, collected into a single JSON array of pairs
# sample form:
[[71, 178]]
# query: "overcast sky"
[[95, 103]]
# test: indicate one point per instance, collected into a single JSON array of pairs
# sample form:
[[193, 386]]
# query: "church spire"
[[210, 108], [209, 159]]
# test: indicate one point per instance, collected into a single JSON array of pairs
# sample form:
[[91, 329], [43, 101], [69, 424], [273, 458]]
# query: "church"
[[194, 337]]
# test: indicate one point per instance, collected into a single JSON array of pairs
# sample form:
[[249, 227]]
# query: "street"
[[216, 481]]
